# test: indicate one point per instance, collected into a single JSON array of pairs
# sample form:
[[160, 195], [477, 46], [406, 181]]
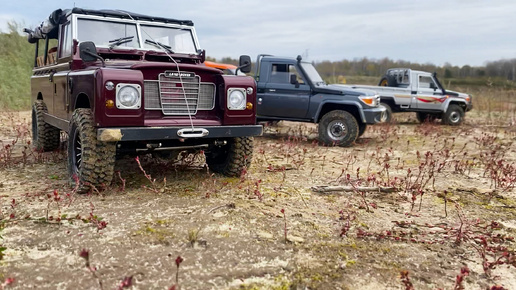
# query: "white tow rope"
[[178, 72]]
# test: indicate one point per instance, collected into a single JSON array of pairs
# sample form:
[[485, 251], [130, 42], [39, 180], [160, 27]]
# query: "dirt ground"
[[452, 204]]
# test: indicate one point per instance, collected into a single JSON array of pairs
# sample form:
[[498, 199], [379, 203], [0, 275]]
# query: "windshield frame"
[[140, 37], [311, 73]]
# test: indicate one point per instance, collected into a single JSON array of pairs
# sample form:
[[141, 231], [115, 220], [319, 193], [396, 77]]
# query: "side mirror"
[[88, 51], [293, 80], [202, 54], [244, 64]]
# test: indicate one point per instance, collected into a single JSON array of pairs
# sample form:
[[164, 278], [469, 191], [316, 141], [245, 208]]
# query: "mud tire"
[[454, 116], [333, 124], [45, 137], [362, 127], [90, 161], [387, 118], [388, 81], [232, 158]]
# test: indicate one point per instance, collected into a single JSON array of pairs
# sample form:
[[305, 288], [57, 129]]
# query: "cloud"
[[456, 31]]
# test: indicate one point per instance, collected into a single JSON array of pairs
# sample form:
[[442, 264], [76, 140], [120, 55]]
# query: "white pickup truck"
[[406, 90]]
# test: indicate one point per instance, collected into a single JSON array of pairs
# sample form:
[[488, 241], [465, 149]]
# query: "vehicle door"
[[428, 95], [60, 71], [282, 99]]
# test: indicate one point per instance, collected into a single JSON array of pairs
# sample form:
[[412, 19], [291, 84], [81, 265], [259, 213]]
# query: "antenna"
[[305, 54]]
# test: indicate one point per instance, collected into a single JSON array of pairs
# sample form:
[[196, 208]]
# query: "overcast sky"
[[436, 31]]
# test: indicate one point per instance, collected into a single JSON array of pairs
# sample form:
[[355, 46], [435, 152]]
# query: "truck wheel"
[[454, 115], [231, 158], [361, 129], [338, 128], [425, 117], [388, 81], [91, 161], [387, 117], [45, 137]]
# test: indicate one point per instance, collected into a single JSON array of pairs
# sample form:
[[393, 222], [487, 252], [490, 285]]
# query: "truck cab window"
[[102, 33], [280, 73], [292, 70], [426, 82], [65, 46]]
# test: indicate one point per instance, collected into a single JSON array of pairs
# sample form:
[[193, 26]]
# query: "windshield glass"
[[179, 40], [312, 73], [113, 33], [102, 32]]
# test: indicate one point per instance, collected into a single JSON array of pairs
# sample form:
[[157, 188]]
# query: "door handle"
[[272, 90]]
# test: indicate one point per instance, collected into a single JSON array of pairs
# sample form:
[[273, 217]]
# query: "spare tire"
[[388, 81]]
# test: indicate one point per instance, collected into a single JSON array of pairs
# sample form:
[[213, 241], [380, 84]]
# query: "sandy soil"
[[232, 233]]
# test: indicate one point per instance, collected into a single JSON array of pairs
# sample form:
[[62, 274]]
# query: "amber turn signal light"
[[110, 104], [249, 105]]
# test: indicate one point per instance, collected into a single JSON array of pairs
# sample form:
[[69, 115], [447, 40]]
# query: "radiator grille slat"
[[174, 97]]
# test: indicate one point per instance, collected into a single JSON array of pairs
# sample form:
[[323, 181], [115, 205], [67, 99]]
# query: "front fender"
[[452, 100], [340, 102]]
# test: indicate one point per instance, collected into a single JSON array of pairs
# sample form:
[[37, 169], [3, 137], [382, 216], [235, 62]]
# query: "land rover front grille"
[[174, 97]]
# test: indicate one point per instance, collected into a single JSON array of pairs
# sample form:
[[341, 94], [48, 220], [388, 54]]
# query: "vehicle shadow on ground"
[[158, 174]]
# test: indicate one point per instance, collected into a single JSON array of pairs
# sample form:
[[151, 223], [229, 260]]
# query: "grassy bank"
[[16, 57]]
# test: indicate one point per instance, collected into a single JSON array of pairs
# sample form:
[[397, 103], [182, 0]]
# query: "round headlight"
[[128, 96], [236, 99]]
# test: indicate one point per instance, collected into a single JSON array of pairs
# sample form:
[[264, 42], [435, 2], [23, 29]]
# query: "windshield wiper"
[[119, 41], [160, 45]]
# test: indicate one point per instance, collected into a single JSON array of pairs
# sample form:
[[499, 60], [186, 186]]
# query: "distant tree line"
[[16, 61], [505, 68]]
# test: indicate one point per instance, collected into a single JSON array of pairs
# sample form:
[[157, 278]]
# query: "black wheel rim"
[[76, 152]]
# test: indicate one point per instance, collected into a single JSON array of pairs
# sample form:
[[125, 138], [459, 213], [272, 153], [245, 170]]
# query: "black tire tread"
[[389, 80], [362, 127], [238, 156], [446, 116], [98, 158], [351, 123], [47, 138]]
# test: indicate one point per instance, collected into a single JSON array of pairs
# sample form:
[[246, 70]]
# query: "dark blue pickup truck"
[[291, 89]]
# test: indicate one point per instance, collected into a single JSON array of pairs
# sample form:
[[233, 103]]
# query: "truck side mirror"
[[293, 80], [244, 64], [88, 52]]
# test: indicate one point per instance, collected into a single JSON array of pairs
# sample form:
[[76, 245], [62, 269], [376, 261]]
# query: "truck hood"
[[457, 94], [141, 65], [343, 90]]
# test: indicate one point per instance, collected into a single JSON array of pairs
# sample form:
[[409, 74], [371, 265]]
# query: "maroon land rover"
[[119, 82]]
